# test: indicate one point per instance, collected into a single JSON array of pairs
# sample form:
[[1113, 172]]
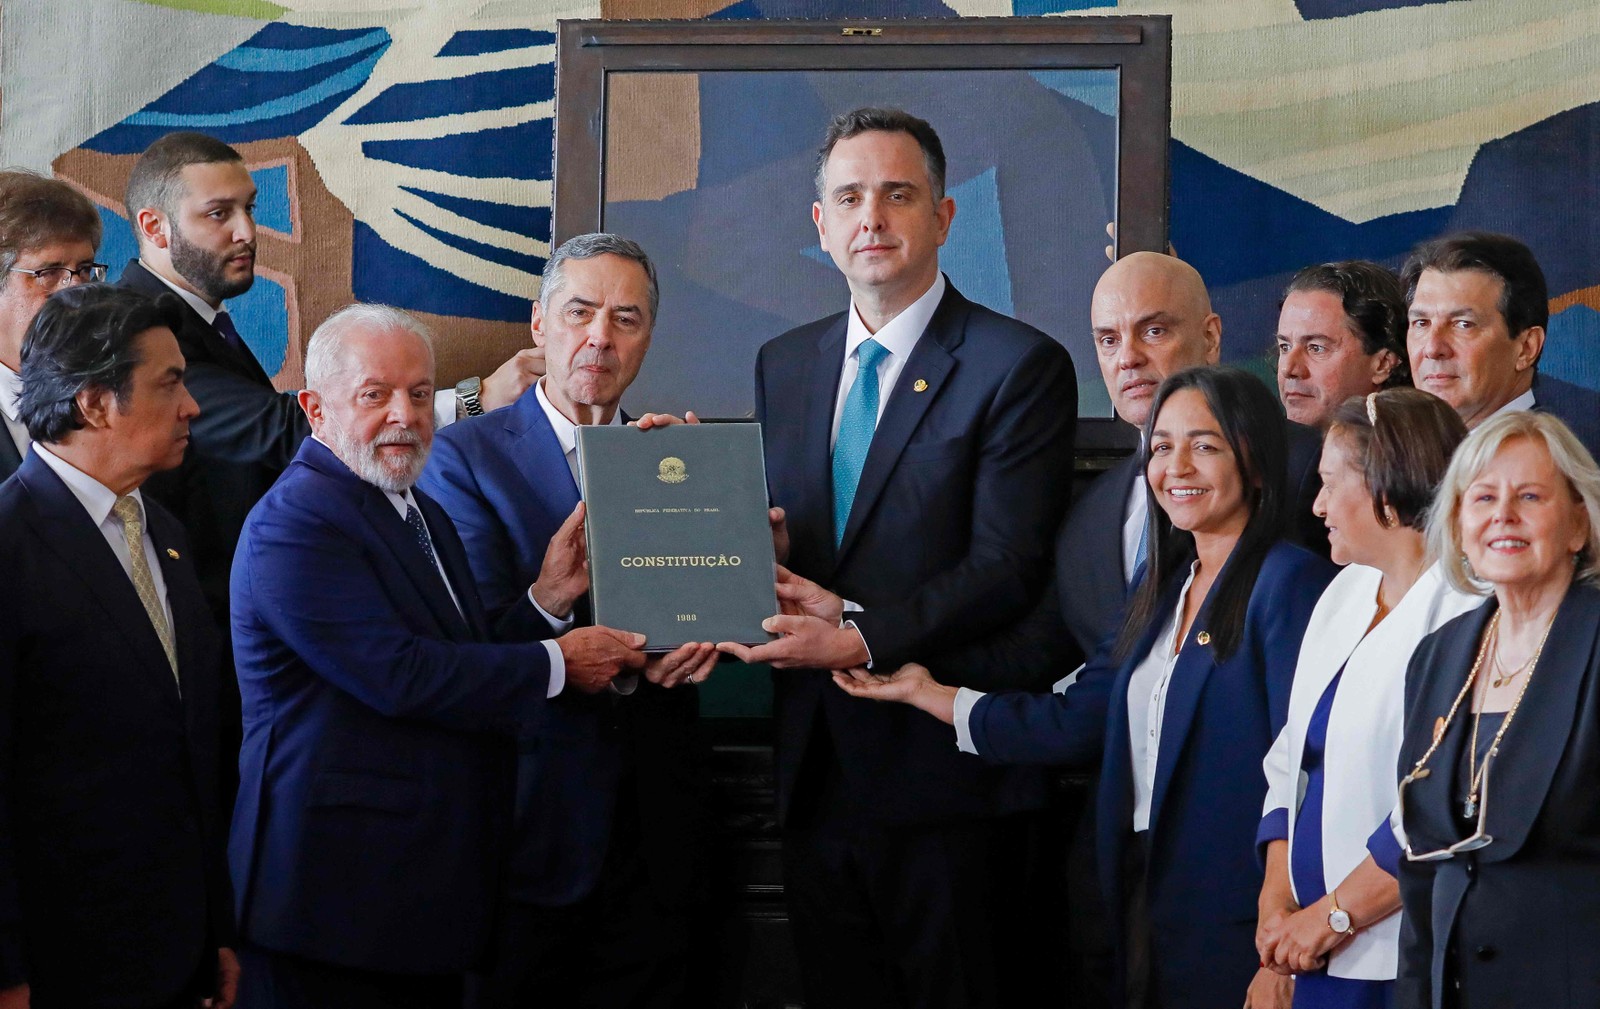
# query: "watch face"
[[1339, 921]]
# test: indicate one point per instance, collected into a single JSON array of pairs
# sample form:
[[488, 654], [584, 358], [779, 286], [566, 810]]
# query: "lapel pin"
[[1203, 638], [920, 385], [172, 553]]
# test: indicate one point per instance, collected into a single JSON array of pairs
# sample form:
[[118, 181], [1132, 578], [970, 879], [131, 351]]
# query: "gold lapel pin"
[[1203, 638], [920, 385], [172, 553]]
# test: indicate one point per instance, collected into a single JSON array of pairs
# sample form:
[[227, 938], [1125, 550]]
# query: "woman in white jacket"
[[1329, 906]]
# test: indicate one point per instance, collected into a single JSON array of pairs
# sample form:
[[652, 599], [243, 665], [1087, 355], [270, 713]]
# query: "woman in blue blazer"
[[1181, 707]]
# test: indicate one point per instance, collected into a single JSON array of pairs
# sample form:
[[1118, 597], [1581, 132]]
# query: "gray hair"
[[326, 364], [1571, 459], [597, 243]]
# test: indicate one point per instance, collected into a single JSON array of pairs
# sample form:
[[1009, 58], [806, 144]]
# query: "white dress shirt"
[[98, 500], [10, 393], [1147, 707], [899, 336], [1134, 515], [444, 400], [1522, 402]]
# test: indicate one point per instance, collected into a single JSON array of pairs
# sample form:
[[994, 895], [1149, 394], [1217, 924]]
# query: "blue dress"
[[1318, 989]]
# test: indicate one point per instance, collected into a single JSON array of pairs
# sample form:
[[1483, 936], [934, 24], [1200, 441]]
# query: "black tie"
[[224, 325]]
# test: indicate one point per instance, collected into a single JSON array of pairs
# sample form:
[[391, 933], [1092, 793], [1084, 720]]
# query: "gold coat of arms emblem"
[[672, 470]]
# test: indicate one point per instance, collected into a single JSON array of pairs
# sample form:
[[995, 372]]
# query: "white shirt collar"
[[1522, 402], [899, 335], [566, 431], [97, 499], [196, 302], [10, 392]]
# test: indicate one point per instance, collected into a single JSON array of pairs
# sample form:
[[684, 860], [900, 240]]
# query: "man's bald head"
[[1151, 317]]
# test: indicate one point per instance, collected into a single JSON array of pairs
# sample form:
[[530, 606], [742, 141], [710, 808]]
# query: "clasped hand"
[[1296, 941], [810, 635]]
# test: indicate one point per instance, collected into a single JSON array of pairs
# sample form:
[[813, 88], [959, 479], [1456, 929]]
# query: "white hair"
[[1571, 459], [326, 362]]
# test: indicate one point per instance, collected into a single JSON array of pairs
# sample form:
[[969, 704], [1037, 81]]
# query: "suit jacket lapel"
[[822, 389], [425, 578], [1533, 746], [1188, 683], [453, 556], [1430, 804], [539, 457], [10, 458], [204, 337], [1108, 549], [931, 362], [66, 527]]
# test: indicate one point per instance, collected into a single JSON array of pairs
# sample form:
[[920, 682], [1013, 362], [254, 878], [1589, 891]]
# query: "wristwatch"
[[467, 392], [1339, 918]]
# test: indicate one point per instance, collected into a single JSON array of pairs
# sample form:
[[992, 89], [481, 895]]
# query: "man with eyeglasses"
[[48, 235]]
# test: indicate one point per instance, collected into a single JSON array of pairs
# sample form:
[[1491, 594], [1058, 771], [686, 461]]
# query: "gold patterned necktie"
[[127, 509]]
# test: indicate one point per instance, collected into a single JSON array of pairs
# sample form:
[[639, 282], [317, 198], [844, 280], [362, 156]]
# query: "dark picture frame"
[[594, 58]]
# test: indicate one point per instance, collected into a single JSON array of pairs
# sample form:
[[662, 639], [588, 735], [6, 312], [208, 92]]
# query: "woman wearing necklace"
[[1500, 760], [1330, 896], [1180, 708]]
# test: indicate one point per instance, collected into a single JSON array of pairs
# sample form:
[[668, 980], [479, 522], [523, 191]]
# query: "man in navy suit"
[[921, 446], [113, 889], [605, 860], [1478, 311], [48, 234], [378, 715]]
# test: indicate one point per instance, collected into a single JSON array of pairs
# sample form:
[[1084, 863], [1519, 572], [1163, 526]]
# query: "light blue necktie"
[[856, 424]]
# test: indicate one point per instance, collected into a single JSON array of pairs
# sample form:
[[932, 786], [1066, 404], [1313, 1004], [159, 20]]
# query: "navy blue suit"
[[896, 842], [596, 761], [375, 774], [1220, 720], [1578, 407], [113, 889], [10, 458]]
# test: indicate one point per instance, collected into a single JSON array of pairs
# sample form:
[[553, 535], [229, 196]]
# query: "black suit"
[[1515, 923], [113, 890], [246, 434], [946, 542]]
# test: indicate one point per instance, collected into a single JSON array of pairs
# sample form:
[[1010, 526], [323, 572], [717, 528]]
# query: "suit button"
[[1484, 953]]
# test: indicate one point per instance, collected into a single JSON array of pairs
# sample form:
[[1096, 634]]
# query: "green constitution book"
[[679, 545]]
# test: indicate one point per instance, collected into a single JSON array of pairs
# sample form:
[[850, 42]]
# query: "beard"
[[385, 472], [205, 270]]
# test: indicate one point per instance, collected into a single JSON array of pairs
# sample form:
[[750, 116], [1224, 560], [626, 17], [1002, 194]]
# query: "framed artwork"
[[699, 140]]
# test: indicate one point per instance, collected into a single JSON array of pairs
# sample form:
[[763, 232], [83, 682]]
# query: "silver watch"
[[468, 391]]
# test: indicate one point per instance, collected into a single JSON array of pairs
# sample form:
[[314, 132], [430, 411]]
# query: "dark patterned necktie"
[[414, 520], [224, 325]]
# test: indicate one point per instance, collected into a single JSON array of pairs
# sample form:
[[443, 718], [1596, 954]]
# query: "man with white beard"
[[379, 714]]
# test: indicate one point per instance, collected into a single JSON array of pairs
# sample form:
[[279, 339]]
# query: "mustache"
[[400, 436]]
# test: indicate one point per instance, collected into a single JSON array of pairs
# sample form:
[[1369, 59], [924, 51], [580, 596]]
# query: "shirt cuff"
[[558, 668], [444, 407], [966, 700], [1274, 827], [1385, 849], [560, 625], [852, 625]]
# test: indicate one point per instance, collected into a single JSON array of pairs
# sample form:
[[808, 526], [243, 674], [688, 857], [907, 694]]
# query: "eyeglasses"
[[1478, 839], [55, 277]]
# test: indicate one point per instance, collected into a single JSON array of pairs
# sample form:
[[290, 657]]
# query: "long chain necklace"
[[1475, 773], [1501, 676]]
